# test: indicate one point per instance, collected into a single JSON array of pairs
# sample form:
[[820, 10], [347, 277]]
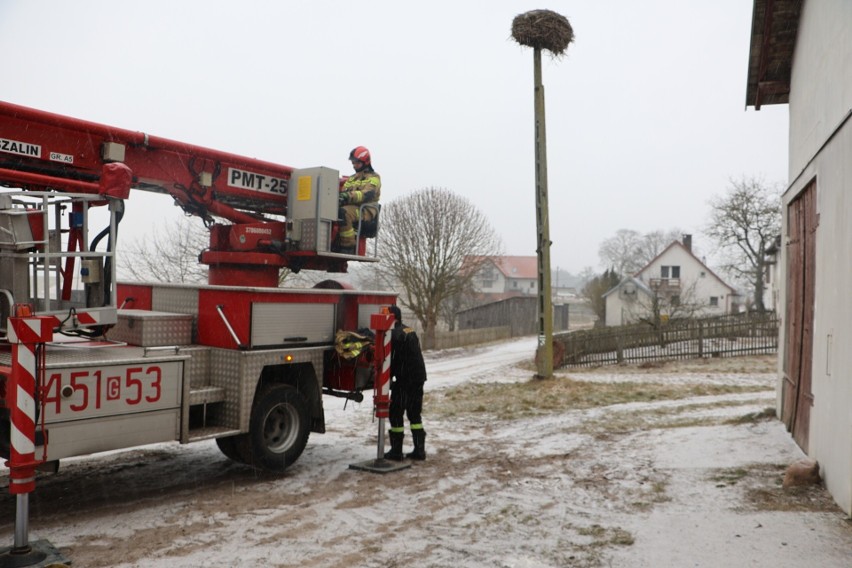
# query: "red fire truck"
[[88, 364]]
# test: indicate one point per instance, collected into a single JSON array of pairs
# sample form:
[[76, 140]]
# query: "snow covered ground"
[[684, 486]]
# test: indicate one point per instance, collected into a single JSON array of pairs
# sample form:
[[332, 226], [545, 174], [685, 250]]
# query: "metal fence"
[[720, 336]]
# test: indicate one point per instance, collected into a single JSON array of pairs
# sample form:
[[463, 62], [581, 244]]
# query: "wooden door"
[[797, 398]]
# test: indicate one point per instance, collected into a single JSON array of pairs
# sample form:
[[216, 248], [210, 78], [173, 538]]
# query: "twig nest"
[[543, 29]]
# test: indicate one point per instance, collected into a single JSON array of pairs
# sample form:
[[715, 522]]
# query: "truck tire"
[[234, 447], [278, 429]]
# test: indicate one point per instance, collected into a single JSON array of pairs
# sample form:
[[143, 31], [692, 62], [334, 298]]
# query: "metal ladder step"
[[210, 432], [206, 395]]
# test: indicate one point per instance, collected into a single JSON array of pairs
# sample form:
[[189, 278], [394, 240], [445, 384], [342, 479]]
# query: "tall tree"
[[596, 287], [425, 238], [744, 222]]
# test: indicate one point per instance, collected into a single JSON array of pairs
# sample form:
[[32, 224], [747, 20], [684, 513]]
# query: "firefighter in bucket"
[[358, 196]]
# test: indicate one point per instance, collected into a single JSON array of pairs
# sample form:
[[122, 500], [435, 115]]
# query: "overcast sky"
[[646, 116]]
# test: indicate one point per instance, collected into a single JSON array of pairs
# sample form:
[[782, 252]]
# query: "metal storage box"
[[312, 206], [292, 324], [152, 329]]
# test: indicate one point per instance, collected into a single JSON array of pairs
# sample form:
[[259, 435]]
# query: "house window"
[[532, 285], [514, 283], [670, 272], [675, 301], [714, 300], [664, 271], [675, 271]]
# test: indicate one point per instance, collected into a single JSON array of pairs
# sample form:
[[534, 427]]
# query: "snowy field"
[[672, 482]]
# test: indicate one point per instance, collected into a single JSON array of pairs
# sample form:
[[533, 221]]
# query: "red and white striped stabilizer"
[[25, 333], [382, 323], [88, 318]]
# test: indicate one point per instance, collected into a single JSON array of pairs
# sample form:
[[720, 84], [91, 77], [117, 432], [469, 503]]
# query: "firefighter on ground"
[[362, 188], [409, 373]]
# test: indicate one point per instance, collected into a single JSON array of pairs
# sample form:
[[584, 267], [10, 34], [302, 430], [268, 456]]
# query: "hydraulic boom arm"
[[42, 151]]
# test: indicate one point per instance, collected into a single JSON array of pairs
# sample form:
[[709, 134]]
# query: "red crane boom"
[[50, 152]]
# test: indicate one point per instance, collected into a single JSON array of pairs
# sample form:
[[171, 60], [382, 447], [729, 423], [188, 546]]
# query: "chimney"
[[687, 242]]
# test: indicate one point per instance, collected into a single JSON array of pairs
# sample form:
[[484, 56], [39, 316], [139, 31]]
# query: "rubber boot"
[[395, 452], [419, 452]]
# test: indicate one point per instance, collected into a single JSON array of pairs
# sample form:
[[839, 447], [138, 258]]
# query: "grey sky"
[[646, 114]]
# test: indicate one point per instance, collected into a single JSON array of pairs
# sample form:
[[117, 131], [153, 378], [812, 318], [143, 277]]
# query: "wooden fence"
[[721, 336], [447, 339]]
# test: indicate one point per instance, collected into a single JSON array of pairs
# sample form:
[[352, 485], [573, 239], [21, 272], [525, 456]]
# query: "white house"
[[801, 55], [674, 284], [772, 276], [506, 276]]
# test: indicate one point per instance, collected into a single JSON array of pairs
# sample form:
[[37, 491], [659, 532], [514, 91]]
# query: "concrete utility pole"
[[542, 29]]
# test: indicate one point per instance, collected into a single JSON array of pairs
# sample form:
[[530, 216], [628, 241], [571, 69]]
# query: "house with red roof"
[[501, 277]]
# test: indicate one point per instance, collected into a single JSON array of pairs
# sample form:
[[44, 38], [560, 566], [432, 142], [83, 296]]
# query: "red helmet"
[[361, 154]]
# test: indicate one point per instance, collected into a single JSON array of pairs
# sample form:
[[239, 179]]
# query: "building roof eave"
[[774, 26]]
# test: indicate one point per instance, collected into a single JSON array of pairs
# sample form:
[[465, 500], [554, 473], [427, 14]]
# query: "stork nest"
[[543, 29]]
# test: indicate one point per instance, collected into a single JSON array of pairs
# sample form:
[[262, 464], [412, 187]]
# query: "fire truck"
[[101, 365]]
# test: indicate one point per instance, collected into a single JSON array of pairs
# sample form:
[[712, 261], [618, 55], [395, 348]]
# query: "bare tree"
[[621, 252], [168, 254], [366, 275], [586, 275], [744, 223], [661, 302], [653, 243], [426, 236], [629, 251]]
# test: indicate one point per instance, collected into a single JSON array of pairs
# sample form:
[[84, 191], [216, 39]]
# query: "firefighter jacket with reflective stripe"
[[350, 345], [359, 185]]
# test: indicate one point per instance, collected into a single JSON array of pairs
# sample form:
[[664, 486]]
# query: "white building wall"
[[691, 272], [821, 97], [623, 309], [495, 284], [498, 283], [770, 289], [614, 310], [821, 85], [525, 286]]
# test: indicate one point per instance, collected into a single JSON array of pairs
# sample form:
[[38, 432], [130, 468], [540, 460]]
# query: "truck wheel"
[[234, 447], [279, 427]]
